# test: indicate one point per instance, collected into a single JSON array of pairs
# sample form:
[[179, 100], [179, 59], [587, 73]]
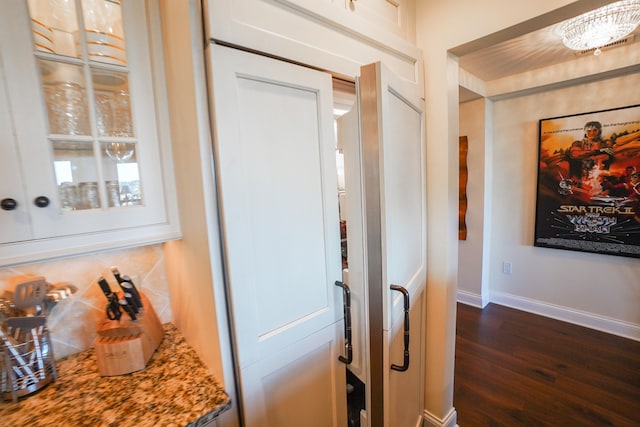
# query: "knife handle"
[[132, 302], [133, 296], [106, 289], [129, 309], [116, 273], [133, 290]]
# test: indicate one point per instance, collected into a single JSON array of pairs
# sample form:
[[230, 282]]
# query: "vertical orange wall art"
[[462, 182]]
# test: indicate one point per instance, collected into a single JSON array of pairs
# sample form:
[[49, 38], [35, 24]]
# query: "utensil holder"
[[26, 362], [124, 346]]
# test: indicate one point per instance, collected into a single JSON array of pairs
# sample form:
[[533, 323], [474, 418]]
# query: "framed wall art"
[[588, 188], [463, 149]]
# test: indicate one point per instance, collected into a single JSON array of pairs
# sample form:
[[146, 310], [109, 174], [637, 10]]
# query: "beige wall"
[[594, 290], [599, 285], [471, 256], [73, 321], [194, 262]]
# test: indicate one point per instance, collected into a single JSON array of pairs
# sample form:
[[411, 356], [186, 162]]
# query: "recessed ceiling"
[[525, 53], [537, 49]]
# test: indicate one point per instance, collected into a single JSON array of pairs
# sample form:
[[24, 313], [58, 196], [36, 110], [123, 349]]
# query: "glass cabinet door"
[[86, 130], [80, 48]]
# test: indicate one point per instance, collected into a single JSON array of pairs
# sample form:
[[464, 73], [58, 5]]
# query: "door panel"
[[276, 400], [392, 122], [277, 184], [349, 138], [403, 201], [403, 185], [14, 224]]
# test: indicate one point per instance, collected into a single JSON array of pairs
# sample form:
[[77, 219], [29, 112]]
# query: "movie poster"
[[589, 182]]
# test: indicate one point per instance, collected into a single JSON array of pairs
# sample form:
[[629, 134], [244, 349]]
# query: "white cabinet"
[[388, 16], [11, 183], [395, 16], [275, 201], [84, 164], [277, 188], [336, 35]]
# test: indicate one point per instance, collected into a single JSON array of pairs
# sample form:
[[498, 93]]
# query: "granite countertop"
[[175, 389]]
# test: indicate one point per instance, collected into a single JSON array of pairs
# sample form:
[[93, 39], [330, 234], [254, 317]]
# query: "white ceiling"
[[537, 49]]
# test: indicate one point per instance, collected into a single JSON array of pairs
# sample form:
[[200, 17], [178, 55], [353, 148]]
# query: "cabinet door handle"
[[346, 293], [41, 201], [8, 204], [405, 364]]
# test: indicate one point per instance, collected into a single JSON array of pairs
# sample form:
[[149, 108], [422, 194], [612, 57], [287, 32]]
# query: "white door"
[[349, 138], [277, 184], [392, 122]]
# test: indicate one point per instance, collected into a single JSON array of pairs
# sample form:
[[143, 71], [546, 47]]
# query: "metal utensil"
[[30, 293], [56, 294], [66, 289], [27, 322], [7, 309]]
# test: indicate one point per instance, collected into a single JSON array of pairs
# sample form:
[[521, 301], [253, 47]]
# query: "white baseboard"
[[450, 420], [470, 298], [566, 314]]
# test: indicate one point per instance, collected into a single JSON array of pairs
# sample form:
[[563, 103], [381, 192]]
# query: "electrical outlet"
[[506, 267]]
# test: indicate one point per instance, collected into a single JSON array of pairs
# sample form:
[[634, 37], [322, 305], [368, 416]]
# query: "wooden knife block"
[[124, 346]]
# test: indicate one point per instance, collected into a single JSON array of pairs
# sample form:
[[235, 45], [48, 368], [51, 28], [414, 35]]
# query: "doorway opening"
[[348, 161]]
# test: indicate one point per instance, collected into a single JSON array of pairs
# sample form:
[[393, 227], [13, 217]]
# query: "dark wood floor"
[[518, 369]]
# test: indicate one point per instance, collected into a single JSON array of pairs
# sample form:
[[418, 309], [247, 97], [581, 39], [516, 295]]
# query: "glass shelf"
[[85, 83]]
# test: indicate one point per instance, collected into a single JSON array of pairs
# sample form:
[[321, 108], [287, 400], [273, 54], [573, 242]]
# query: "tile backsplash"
[[72, 322]]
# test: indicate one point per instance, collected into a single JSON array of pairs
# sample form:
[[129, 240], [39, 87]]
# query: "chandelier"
[[600, 27]]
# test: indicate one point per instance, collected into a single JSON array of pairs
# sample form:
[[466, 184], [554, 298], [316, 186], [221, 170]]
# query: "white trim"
[[312, 33], [450, 420], [341, 20], [470, 298], [578, 317]]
